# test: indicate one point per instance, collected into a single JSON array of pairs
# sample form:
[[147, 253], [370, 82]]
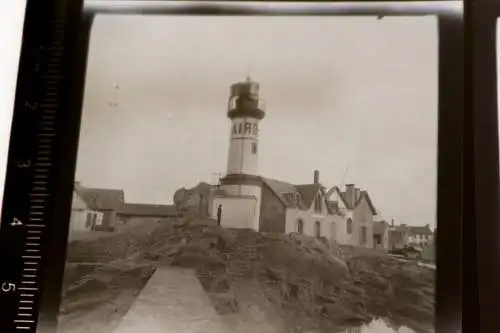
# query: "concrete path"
[[173, 301]]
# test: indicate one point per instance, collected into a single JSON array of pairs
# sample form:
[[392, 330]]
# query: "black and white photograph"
[[255, 174]]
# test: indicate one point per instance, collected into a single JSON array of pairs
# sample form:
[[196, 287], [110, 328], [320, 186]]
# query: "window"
[[317, 204], [300, 226], [318, 229], [88, 220], [333, 231], [254, 147], [349, 226], [363, 235]]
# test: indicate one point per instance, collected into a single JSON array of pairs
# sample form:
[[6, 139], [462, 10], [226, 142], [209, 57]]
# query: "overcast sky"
[[355, 98]]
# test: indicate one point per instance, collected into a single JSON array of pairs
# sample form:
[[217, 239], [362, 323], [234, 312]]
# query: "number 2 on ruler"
[[15, 222], [31, 106]]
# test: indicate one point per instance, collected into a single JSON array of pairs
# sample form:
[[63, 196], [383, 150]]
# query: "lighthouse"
[[239, 193], [245, 110]]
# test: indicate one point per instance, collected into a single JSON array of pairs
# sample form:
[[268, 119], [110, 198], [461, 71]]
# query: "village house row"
[[346, 217]]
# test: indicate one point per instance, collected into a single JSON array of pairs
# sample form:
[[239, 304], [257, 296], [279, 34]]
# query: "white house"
[[82, 217], [359, 212], [420, 235]]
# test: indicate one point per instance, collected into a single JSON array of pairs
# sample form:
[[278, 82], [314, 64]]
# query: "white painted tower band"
[[245, 110]]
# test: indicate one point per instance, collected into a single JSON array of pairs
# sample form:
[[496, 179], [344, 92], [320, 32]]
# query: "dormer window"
[[292, 197]]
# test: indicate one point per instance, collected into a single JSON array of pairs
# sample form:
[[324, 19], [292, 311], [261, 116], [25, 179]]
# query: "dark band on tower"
[[245, 101]]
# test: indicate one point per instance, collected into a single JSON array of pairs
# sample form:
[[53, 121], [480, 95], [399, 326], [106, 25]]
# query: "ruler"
[[28, 205]]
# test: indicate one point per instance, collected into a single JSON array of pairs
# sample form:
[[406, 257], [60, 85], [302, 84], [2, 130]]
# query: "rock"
[[194, 201]]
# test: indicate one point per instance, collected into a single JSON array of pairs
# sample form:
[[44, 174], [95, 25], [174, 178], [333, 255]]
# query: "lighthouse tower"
[[245, 110], [240, 190]]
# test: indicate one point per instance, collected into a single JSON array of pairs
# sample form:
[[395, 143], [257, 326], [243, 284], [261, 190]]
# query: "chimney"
[[316, 177], [357, 194], [392, 223], [349, 194]]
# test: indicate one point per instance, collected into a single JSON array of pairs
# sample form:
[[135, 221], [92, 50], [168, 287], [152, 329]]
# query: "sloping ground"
[[254, 311], [312, 286]]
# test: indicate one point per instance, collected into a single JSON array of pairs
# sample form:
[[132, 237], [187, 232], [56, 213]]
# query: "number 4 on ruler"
[[16, 222]]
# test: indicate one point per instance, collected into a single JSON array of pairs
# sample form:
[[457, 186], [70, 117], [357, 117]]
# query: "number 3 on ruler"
[[8, 287], [15, 222]]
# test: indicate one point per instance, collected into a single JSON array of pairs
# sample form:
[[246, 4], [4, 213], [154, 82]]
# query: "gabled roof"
[[306, 192], [363, 194], [341, 196], [101, 199], [281, 189], [146, 210]]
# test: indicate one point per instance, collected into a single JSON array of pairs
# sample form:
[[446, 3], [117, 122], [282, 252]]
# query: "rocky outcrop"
[[194, 201]]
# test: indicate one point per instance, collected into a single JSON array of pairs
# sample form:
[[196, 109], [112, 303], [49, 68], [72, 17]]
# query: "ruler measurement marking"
[[45, 141], [39, 188], [28, 288], [26, 302], [30, 269], [28, 282], [25, 308], [33, 238], [40, 176], [29, 276], [30, 263]]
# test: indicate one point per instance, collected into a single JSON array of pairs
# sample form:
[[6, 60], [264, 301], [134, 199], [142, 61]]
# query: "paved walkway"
[[173, 301]]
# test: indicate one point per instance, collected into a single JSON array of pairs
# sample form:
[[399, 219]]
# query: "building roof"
[[380, 227], [281, 190], [294, 196], [421, 230], [308, 192], [101, 199], [348, 205], [147, 210], [401, 228]]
